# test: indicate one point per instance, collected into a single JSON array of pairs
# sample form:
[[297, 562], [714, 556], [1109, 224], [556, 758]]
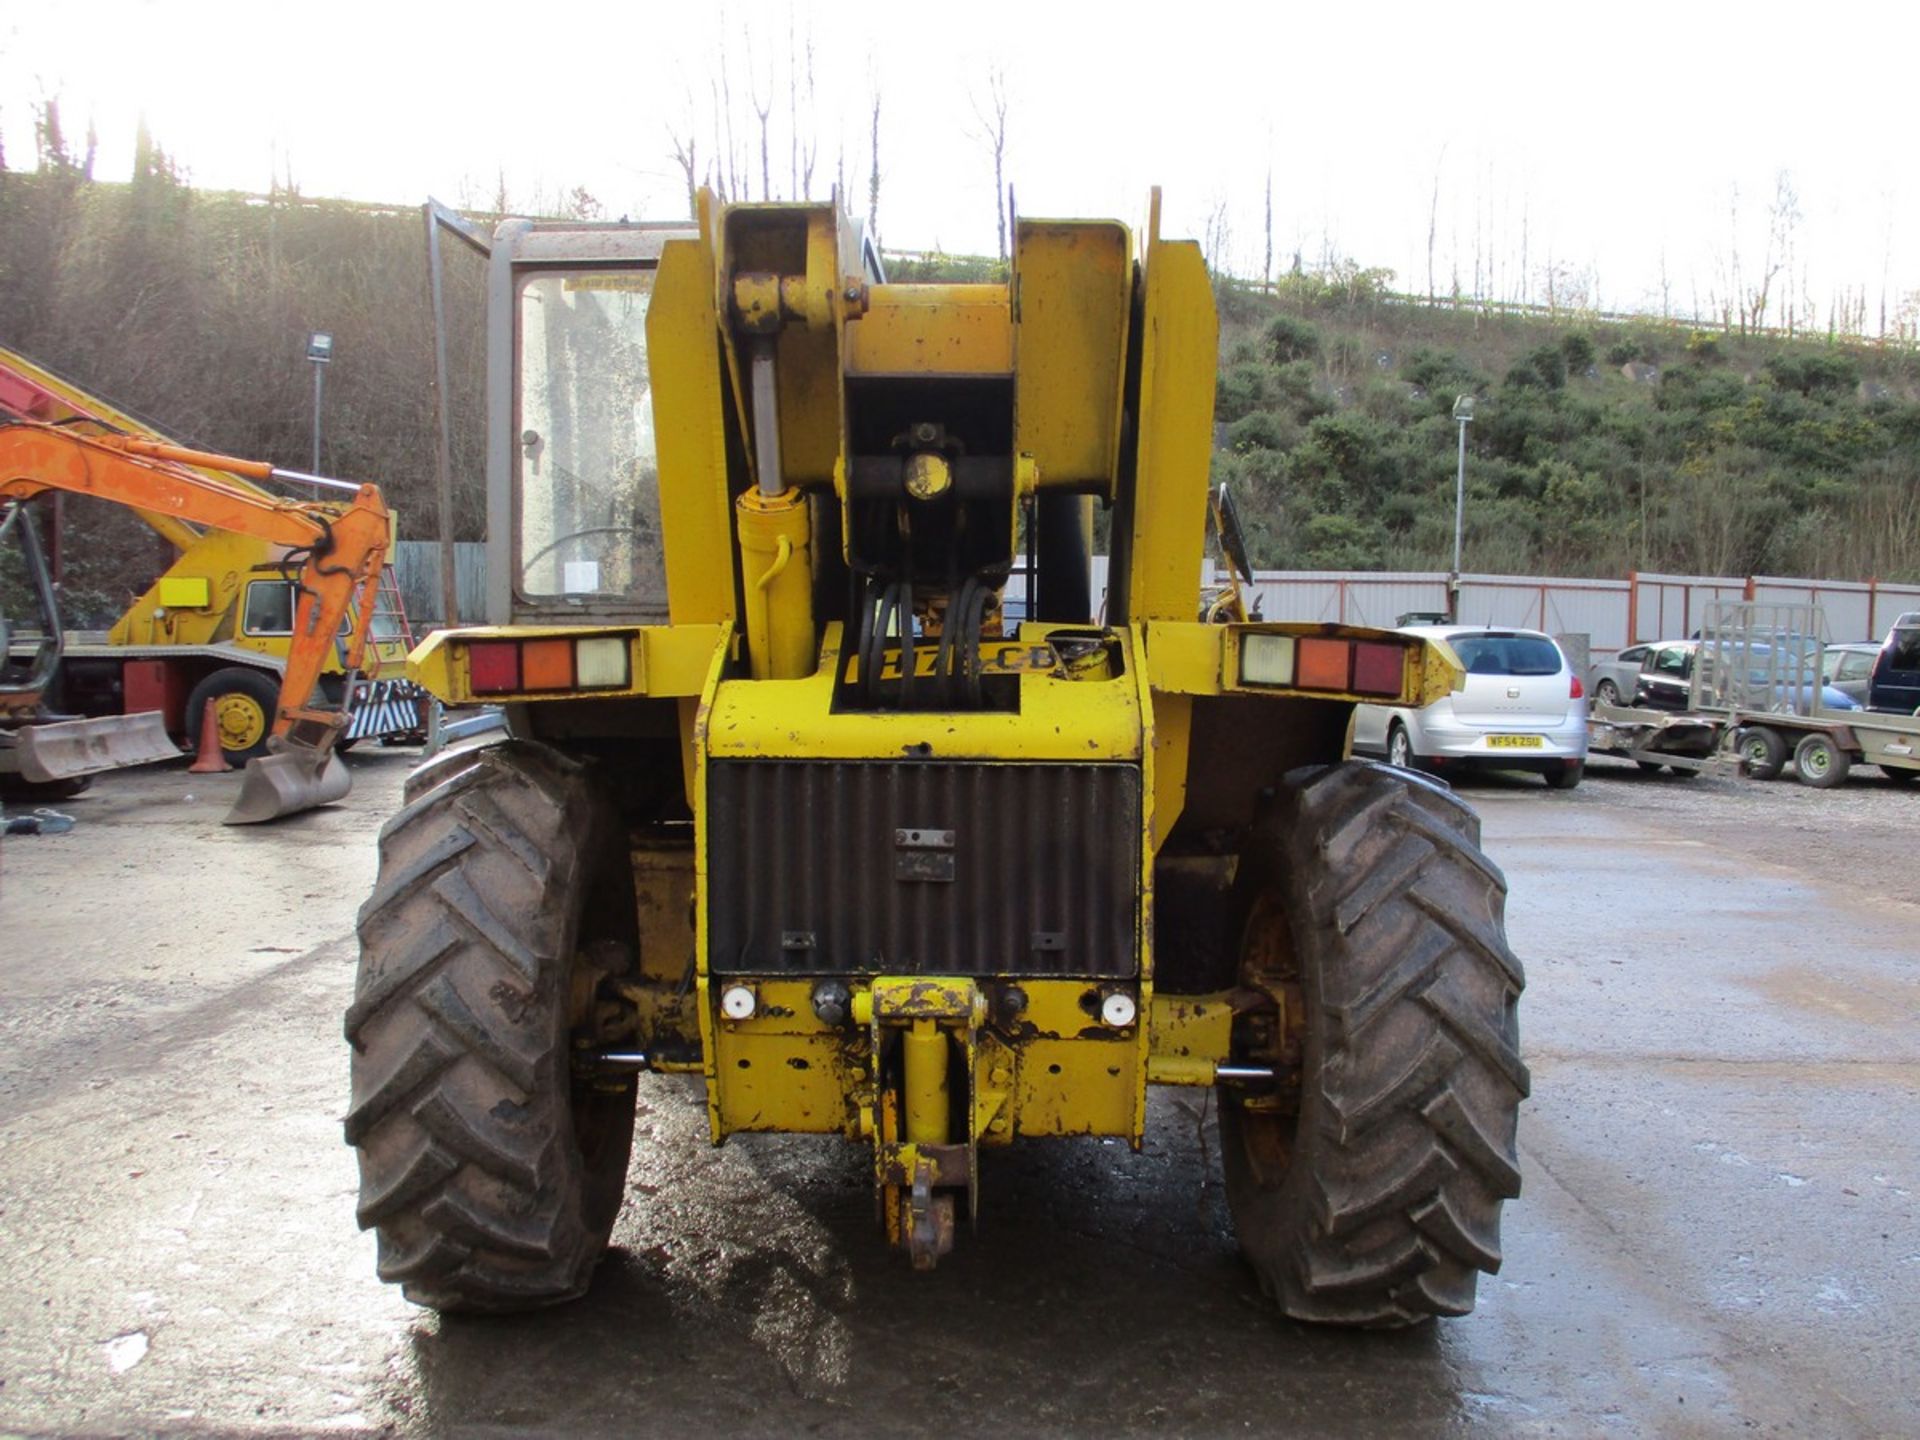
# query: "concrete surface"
[[1717, 1234]]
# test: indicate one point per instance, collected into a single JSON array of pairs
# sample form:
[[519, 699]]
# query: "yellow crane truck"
[[793, 802]]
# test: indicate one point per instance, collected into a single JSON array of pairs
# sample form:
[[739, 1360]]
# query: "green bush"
[[1240, 390], [1289, 338], [1544, 368], [1815, 372], [1576, 348], [1438, 371], [1259, 430], [1703, 346]]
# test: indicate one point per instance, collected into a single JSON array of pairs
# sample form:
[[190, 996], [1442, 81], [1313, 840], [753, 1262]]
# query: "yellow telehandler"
[[829, 782]]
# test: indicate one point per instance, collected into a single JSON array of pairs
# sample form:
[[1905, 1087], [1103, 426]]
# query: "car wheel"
[[1400, 748], [1606, 693], [1566, 777]]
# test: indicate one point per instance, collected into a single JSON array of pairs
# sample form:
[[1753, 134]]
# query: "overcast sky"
[[1620, 144]]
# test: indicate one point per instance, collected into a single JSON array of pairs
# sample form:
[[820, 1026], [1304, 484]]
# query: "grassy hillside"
[[1596, 448], [1717, 453]]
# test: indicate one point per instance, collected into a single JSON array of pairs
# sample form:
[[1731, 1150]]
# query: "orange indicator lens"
[[1323, 664], [547, 664]]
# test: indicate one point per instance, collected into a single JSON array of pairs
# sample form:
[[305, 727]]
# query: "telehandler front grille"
[[871, 867]]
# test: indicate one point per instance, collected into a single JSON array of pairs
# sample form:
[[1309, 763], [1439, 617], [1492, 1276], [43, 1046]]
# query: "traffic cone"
[[211, 760]]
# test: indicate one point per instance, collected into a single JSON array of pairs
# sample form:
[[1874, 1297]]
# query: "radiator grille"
[[870, 867]]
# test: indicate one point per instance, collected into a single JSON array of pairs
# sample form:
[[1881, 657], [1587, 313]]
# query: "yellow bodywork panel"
[[1073, 1075], [1059, 719], [664, 996], [1188, 1036], [1073, 299], [665, 660], [782, 1068], [932, 330], [690, 437], [1179, 349], [1053, 1070], [184, 592]]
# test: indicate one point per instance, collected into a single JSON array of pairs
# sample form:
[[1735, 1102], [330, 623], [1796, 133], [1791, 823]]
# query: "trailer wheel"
[[244, 705], [1764, 750], [491, 1169], [1821, 763], [1371, 1195]]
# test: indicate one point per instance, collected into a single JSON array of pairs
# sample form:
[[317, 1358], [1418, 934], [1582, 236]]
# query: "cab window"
[[587, 478], [269, 608]]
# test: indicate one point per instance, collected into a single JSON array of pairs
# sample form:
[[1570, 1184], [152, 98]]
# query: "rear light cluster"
[[510, 667], [1357, 667], [1578, 691]]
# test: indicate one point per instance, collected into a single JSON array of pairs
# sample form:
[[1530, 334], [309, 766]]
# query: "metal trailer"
[[1759, 670], [1687, 744]]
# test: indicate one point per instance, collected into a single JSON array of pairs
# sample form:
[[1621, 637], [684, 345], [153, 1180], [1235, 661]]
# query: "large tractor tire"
[[1372, 914], [491, 1169]]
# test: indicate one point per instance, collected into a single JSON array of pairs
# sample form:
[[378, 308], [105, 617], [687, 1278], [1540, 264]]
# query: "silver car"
[[1849, 669], [1610, 682], [1522, 708]]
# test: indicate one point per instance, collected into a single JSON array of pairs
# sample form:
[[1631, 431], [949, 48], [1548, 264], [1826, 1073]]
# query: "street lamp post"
[[320, 352], [1463, 413]]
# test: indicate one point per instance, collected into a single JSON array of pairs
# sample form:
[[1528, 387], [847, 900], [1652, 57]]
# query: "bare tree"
[[873, 172], [1216, 238], [1266, 267], [762, 109], [1433, 220], [992, 118]]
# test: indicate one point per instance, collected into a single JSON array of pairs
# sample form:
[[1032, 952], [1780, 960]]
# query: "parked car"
[[1522, 708], [1896, 674], [1610, 682], [1666, 682], [1849, 669]]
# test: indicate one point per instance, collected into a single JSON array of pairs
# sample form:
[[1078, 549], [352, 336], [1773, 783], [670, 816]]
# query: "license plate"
[[1514, 742]]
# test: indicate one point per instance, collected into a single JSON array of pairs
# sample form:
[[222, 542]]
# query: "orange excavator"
[[337, 551]]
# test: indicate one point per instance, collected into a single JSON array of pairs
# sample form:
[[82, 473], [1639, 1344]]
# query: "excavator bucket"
[[296, 778], [69, 748]]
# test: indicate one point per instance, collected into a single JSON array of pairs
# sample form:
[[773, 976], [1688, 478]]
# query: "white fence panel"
[[1672, 607], [1855, 610]]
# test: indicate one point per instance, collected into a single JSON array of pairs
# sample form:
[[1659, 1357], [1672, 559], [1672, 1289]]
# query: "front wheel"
[[245, 703], [1370, 1192], [1606, 693], [491, 1167]]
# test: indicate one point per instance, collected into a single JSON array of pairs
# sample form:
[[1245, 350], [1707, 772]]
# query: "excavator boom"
[[340, 549]]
